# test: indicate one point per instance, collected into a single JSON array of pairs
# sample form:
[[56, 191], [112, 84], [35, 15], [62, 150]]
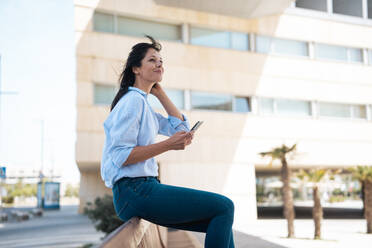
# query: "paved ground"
[[271, 233], [57, 228], [65, 228]]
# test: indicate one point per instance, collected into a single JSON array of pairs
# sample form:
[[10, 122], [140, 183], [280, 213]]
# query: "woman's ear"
[[135, 70]]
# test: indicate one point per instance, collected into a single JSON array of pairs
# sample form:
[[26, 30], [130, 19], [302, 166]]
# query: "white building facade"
[[258, 73]]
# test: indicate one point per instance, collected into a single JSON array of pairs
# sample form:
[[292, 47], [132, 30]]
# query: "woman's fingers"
[[188, 142], [192, 134], [181, 139]]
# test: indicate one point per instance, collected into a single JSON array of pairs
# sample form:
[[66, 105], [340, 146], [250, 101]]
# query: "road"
[[56, 229]]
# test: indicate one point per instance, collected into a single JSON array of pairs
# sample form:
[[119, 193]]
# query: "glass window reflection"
[[320, 5], [359, 111], [334, 110], [239, 41], [347, 7], [211, 101], [293, 107], [356, 55], [242, 104], [324, 51], [103, 22], [266, 105], [208, 37], [136, 27], [219, 39], [290, 47], [176, 96], [265, 44], [104, 94]]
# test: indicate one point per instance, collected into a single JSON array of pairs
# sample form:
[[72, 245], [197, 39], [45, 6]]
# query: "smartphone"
[[196, 126]]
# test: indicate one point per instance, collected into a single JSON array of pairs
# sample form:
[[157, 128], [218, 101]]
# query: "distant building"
[[258, 73]]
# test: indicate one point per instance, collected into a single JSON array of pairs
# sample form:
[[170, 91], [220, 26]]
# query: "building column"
[[185, 33], [240, 187], [329, 6], [91, 187]]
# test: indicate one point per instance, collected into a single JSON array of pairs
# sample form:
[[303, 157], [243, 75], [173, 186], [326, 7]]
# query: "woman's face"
[[151, 69]]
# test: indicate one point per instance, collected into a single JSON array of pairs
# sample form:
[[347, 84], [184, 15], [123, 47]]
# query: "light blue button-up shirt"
[[133, 123]]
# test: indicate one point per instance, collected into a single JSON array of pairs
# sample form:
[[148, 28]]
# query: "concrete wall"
[[91, 186]]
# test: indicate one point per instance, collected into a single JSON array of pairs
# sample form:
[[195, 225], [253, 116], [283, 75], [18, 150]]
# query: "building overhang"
[[236, 8]]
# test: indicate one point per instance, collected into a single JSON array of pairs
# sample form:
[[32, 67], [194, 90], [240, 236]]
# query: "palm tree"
[[288, 209], [364, 175], [315, 176]]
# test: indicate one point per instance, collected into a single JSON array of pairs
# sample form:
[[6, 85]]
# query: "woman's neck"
[[143, 85]]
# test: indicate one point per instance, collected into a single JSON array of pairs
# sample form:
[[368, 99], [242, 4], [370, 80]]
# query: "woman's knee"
[[227, 205], [230, 206]]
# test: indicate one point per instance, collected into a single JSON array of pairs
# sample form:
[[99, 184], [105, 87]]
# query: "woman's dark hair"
[[134, 59]]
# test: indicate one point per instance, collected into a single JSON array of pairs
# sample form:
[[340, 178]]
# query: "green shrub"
[[21, 189], [87, 245], [336, 198], [103, 214], [8, 199], [72, 191]]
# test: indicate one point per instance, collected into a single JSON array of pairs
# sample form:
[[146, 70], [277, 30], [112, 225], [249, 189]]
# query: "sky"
[[37, 81]]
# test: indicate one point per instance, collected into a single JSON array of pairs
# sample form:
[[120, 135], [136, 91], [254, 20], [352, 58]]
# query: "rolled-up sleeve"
[[124, 132], [171, 125]]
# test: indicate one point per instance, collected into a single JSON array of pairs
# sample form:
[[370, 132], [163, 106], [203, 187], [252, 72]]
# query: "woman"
[[128, 164]]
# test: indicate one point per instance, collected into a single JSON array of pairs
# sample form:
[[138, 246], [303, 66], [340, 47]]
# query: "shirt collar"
[[138, 90]]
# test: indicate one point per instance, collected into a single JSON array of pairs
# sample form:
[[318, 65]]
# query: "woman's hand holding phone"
[[180, 140], [196, 126]]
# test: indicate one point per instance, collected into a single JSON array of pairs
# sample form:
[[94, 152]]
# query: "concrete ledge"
[[136, 233], [182, 239]]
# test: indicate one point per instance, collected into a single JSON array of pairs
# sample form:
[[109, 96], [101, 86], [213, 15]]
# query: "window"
[[265, 44], [324, 51], [284, 107], [218, 38], [211, 101], [369, 9], [292, 107], [334, 110], [342, 110], [104, 94], [103, 22], [356, 55], [242, 104], [348, 7], [176, 96], [359, 111], [290, 47], [136, 27], [330, 52], [213, 38], [239, 41], [266, 105], [320, 5]]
